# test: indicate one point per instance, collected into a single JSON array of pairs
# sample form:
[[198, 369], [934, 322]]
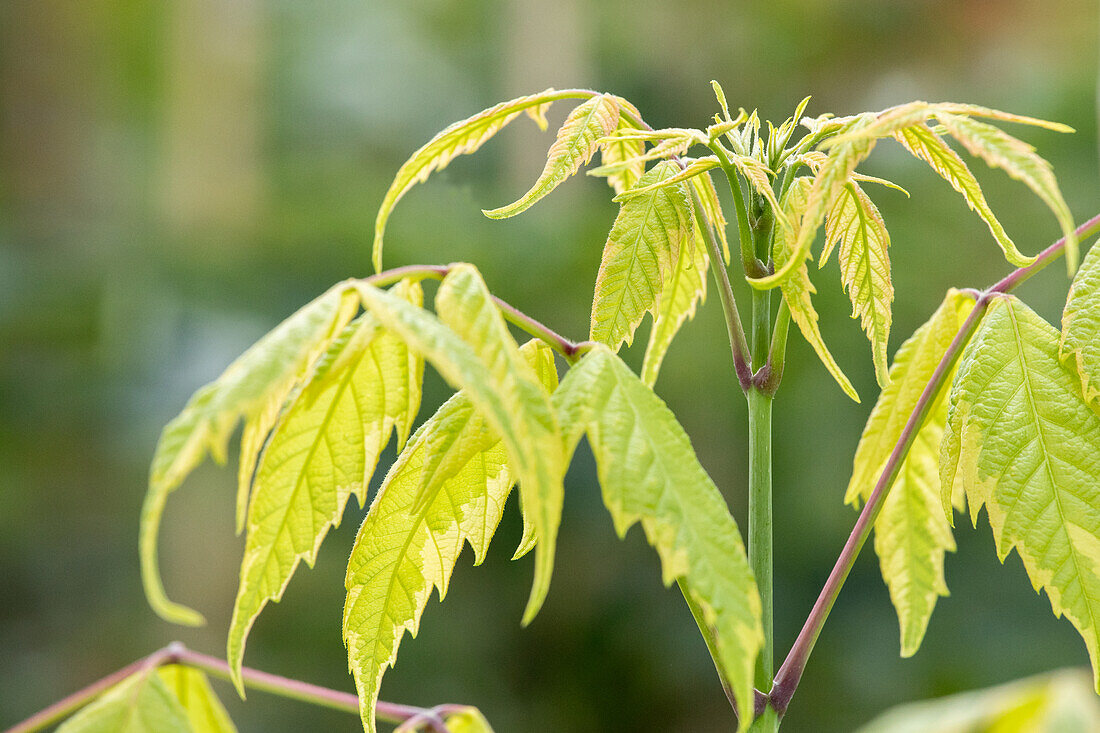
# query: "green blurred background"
[[177, 177]]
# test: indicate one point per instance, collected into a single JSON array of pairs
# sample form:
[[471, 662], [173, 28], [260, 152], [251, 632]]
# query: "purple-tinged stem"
[[786, 680], [177, 653]]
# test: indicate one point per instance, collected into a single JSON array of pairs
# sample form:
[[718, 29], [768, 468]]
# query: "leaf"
[[694, 168], [1019, 160], [855, 222], [638, 257], [797, 288], [411, 538], [1021, 441], [467, 720], [712, 210], [649, 473], [757, 174], [141, 703], [1056, 702], [686, 288], [1080, 344], [828, 184], [192, 690], [264, 374], [324, 449], [577, 140], [911, 533], [925, 144], [620, 156], [461, 138], [480, 357]]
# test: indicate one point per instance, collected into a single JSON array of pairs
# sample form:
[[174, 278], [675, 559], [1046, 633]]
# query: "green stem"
[[760, 521], [753, 266]]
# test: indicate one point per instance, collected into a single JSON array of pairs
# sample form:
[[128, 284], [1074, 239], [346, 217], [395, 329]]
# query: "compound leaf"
[[797, 288], [412, 535], [477, 354], [262, 376], [141, 703], [192, 690], [1021, 441], [855, 222], [912, 534], [1080, 345], [685, 290], [649, 473], [461, 138], [639, 255], [324, 450], [577, 140]]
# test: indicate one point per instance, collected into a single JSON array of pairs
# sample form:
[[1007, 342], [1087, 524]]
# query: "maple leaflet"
[[984, 405]]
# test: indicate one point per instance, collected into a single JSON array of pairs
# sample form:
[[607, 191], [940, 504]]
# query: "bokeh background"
[[176, 177]]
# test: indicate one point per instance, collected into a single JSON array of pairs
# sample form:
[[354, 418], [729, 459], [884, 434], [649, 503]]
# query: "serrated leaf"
[[141, 703], [911, 533], [1019, 160], [324, 450], [638, 257], [411, 538], [472, 349], [692, 169], [264, 374], [577, 140], [686, 288], [1080, 343], [712, 211], [461, 138], [855, 222], [797, 288], [192, 690], [827, 185], [923, 143], [1021, 441], [649, 474], [620, 156]]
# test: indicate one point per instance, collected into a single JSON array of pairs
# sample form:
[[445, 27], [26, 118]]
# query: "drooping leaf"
[[712, 211], [192, 690], [1057, 702], [323, 451], [855, 222], [797, 288], [472, 349], [412, 537], [1019, 160], [141, 703], [638, 258], [827, 185], [461, 138], [1021, 441], [620, 156], [262, 376], [649, 474], [1080, 344], [686, 288], [577, 140], [911, 533], [923, 143], [692, 169]]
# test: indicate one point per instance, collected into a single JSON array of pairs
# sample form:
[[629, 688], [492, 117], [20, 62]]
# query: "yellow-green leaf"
[[192, 690], [686, 288], [1021, 441], [141, 703], [577, 140], [912, 534], [461, 138], [797, 288], [323, 451], [712, 211], [411, 538], [1019, 160], [855, 222], [649, 473], [1080, 345], [620, 156], [692, 169], [638, 257], [467, 720], [263, 375], [472, 349]]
